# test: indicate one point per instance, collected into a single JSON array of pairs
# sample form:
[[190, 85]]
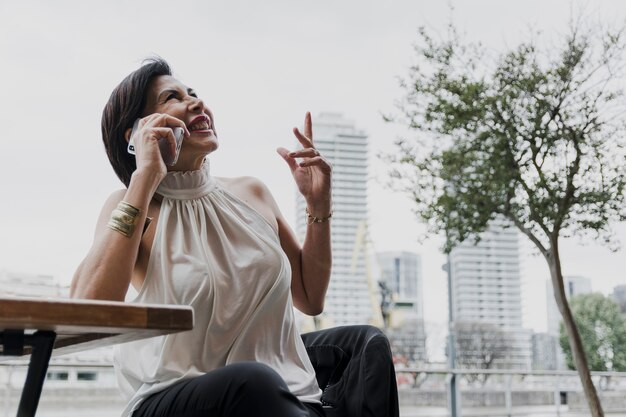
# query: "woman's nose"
[[195, 103]]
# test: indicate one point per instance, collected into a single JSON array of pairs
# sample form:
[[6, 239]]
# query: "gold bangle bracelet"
[[310, 219]]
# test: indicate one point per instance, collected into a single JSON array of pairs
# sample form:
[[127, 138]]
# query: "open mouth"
[[200, 124]]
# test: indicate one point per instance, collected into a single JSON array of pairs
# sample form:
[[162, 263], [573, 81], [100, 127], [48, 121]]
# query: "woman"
[[181, 236], [220, 245]]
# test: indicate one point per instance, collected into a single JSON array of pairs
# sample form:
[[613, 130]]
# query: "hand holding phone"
[[168, 158]]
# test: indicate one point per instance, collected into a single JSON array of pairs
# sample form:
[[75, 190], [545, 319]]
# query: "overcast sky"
[[260, 65]]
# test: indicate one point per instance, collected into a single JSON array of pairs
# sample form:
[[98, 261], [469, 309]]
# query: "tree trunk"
[[578, 352]]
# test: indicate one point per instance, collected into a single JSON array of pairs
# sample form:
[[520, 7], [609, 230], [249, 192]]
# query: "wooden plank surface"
[[102, 316], [85, 324]]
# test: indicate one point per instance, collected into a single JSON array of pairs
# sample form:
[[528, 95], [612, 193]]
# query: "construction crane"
[[361, 247], [361, 244], [384, 314]]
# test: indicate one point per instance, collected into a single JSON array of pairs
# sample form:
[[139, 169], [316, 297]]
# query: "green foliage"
[[602, 329], [534, 136]]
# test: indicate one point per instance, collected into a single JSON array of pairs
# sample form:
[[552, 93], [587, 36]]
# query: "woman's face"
[[168, 95]]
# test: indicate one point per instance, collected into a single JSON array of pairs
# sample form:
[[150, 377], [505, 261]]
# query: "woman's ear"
[[127, 134]]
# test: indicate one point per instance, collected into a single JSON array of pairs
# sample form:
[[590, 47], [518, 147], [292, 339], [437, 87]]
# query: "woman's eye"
[[171, 96]]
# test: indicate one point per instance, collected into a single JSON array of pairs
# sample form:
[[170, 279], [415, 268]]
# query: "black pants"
[[246, 389], [355, 371], [353, 366]]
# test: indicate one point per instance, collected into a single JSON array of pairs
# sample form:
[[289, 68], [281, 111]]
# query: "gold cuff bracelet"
[[124, 218]]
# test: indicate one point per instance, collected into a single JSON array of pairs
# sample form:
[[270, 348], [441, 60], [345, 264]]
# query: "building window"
[[57, 376], [86, 376]]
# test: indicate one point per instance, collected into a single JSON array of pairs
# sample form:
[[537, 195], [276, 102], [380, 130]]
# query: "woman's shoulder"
[[113, 199], [116, 196], [246, 185], [255, 193]]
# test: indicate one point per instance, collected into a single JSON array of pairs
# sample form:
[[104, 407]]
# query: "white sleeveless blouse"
[[215, 253]]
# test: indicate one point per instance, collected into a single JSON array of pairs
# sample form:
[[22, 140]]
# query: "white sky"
[[259, 65]]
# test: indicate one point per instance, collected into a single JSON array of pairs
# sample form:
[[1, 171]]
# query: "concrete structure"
[[349, 298], [545, 348], [486, 287]]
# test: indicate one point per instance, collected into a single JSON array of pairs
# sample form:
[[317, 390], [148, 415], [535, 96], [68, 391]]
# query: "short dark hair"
[[126, 104]]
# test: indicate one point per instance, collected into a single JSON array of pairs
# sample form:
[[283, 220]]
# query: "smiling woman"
[[222, 246], [218, 244]]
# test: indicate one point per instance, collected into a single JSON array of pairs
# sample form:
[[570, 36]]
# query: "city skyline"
[[259, 78]]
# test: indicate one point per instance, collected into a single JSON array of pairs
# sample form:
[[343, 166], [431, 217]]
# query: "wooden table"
[[44, 327]]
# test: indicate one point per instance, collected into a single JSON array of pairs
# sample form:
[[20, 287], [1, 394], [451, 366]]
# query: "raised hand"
[[313, 173]]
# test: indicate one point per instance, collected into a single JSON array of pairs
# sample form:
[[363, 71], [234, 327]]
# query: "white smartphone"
[[167, 156]]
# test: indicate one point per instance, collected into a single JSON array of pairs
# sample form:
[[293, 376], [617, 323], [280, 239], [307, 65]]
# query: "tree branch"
[[544, 251]]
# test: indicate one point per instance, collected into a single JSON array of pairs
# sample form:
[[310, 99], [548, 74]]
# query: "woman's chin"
[[198, 143]]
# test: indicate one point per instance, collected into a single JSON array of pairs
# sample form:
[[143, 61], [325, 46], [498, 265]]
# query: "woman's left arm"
[[311, 263]]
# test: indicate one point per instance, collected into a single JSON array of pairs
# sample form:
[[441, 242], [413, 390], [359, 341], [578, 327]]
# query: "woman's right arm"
[[106, 271]]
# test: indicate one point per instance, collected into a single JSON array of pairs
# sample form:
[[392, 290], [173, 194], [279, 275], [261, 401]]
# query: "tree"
[[602, 330], [480, 346], [533, 136]]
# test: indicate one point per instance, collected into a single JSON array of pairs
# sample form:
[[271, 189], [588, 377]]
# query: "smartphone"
[[166, 154]]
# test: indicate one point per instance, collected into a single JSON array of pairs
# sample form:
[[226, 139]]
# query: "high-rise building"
[[574, 285], [619, 295], [486, 288], [349, 299], [401, 274], [401, 271]]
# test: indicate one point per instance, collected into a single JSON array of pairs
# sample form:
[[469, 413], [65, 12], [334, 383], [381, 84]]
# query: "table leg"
[[42, 343]]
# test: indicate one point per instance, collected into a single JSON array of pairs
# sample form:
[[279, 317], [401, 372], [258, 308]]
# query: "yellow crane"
[[361, 244], [361, 247], [395, 314]]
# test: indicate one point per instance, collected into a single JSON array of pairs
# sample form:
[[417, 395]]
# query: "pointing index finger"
[[308, 126]]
